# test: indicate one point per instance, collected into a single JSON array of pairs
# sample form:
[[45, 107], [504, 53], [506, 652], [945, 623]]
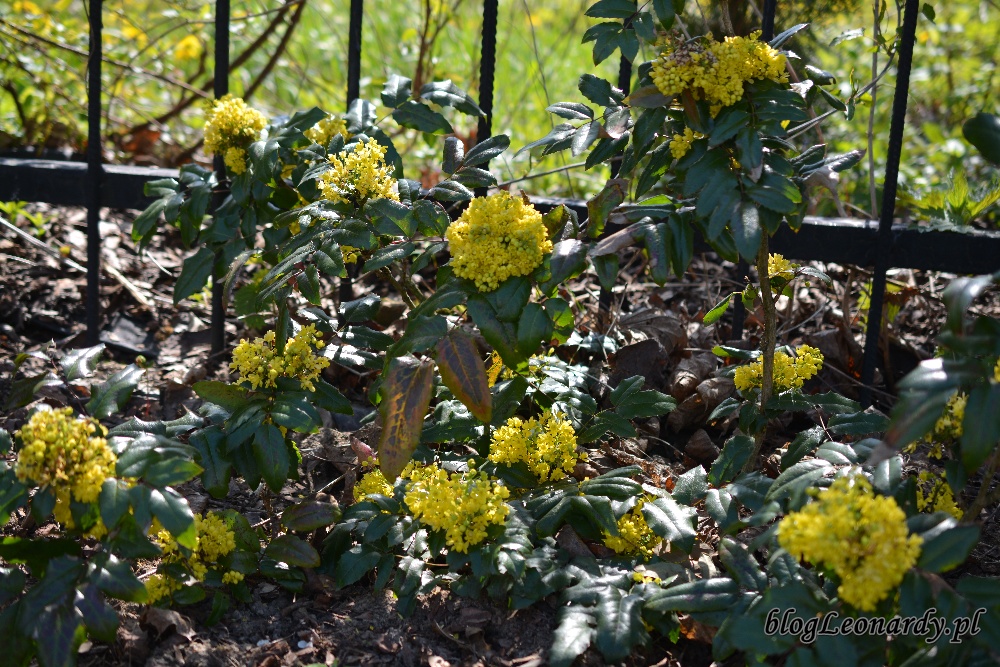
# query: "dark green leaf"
[[533, 329], [803, 444], [116, 579], [797, 478], [734, 456], [210, 444], [486, 150], [611, 9], [356, 562], [170, 472], [195, 273], [716, 594], [310, 515], [569, 258], [447, 94], [665, 12], [946, 542], [420, 117], [672, 521], [860, 423], [271, 454], [454, 152], [983, 132], [230, 397], [329, 398], [980, 427], [572, 636], [383, 257], [501, 335], [293, 551], [450, 190], [175, 515], [101, 620], [112, 395], [599, 91], [619, 625], [360, 310], [740, 563], [24, 390], [296, 413], [396, 91], [55, 631], [571, 111], [80, 363], [691, 486]]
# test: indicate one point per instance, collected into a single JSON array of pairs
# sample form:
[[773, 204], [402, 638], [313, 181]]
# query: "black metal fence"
[[880, 246]]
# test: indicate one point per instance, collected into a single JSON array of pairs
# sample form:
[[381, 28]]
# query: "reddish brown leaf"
[[464, 373], [407, 393]]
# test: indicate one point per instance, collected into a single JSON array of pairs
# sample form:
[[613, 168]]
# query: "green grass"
[[539, 60]]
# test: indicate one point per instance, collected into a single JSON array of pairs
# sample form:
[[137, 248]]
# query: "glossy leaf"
[[464, 373], [78, 364], [310, 515], [406, 395], [112, 395], [293, 551], [271, 454]]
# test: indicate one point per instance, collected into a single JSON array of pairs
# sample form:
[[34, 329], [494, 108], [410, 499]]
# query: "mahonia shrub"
[[110, 492], [481, 468]]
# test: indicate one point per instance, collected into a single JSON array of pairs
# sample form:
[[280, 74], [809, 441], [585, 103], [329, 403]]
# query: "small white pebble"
[[263, 642], [304, 644]]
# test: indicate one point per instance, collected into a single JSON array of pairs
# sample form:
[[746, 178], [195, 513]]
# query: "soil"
[[42, 305]]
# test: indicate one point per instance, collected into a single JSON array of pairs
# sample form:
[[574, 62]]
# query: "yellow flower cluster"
[[996, 371], [323, 131], [789, 372], [646, 577], [372, 483], [463, 505], [359, 175], [548, 445], [779, 267], [259, 363], [949, 426], [213, 540], [862, 537], [495, 238], [680, 144], [934, 495], [64, 454], [230, 128], [716, 71], [635, 537]]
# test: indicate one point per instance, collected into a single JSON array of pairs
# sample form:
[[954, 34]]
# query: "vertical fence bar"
[[353, 93], [487, 70], [220, 84], [742, 268], [95, 174], [354, 51], [896, 126]]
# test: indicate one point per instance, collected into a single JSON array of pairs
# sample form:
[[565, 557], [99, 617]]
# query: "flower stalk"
[[768, 344]]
